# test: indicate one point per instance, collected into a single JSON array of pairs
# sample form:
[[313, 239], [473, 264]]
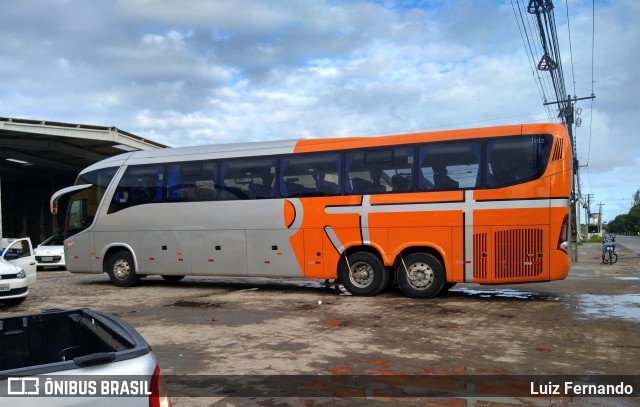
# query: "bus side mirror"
[[53, 207], [53, 202]]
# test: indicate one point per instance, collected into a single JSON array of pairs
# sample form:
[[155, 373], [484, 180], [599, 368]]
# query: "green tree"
[[630, 222], [633, 220], [617, 225]]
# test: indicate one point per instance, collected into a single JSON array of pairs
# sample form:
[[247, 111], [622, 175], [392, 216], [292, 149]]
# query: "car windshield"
[[53, 241]]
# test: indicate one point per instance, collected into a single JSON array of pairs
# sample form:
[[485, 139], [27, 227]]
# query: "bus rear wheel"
[[364, 274], [421, 275], [122, 270]]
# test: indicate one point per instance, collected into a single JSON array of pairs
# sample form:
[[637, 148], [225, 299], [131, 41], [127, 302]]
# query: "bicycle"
[[610, 257]]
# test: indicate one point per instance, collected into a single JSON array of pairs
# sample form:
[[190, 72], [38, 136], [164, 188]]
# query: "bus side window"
[[191, 181], [514, 160], [449, 165], [140, 184], [378, 171], [309, 175], [248, 178]]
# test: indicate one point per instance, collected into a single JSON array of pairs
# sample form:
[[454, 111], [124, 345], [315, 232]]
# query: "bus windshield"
[[83, 203]]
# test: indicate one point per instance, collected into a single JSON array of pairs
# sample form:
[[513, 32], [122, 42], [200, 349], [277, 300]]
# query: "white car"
[[50, 253], [17, 270]]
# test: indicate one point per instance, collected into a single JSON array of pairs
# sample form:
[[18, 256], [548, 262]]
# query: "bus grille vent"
[[517, 253], [557, 150], [480, 256]]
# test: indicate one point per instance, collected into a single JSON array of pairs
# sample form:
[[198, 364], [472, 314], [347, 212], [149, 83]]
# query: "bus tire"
[[172, 278], [364, 274], [122, 270], [421, 275]]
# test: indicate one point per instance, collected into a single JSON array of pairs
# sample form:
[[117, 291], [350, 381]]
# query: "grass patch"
[[593, 239]]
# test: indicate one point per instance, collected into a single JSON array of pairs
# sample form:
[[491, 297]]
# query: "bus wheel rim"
[[361, 274], [420, 275], [121, 269]]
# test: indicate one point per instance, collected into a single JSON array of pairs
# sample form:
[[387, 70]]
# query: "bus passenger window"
[[378, 171], [514, 160], [441, 179], [191, 181], [140, 184], [304, 175], [248, 178], [450, 165]]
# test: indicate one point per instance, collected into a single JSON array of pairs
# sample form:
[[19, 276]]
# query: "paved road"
[[630, 242]]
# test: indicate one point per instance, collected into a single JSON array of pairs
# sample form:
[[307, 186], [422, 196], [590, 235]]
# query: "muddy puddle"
[[621, 306], [504, 293]]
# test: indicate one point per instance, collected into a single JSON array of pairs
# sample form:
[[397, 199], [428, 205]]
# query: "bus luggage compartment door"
[[219, 253], [165, 252], [270, 254]]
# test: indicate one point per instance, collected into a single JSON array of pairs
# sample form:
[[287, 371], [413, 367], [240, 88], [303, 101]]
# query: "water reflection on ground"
[[625, 306], [502, 293]]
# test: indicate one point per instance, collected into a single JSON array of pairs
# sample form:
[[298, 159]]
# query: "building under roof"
[[39, 157]]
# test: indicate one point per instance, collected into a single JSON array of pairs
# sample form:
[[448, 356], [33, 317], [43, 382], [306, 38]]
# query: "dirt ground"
[[587, 324]]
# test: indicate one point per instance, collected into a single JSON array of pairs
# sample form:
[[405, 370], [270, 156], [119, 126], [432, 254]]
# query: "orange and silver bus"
[[424, 211]]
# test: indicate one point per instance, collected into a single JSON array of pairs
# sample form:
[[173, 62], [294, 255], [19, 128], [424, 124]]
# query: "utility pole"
[[542, 12], [600, 218], [576, 204], [587, 214], [567, 115]]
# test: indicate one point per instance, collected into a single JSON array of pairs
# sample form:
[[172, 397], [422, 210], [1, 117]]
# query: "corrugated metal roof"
[[36, 146]]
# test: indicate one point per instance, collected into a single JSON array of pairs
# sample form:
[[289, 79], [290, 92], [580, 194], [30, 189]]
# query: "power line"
[[530, 56], [573, 77], [593, 36]]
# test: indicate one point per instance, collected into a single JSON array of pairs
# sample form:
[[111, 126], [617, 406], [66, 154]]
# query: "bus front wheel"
[[122, 270], [364, 274], [421, 275]]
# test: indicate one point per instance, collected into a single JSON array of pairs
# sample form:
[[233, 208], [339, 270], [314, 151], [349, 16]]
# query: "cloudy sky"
[[189, 72]]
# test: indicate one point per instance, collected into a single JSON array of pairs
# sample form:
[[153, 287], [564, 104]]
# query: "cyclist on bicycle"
[[609, 241]]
